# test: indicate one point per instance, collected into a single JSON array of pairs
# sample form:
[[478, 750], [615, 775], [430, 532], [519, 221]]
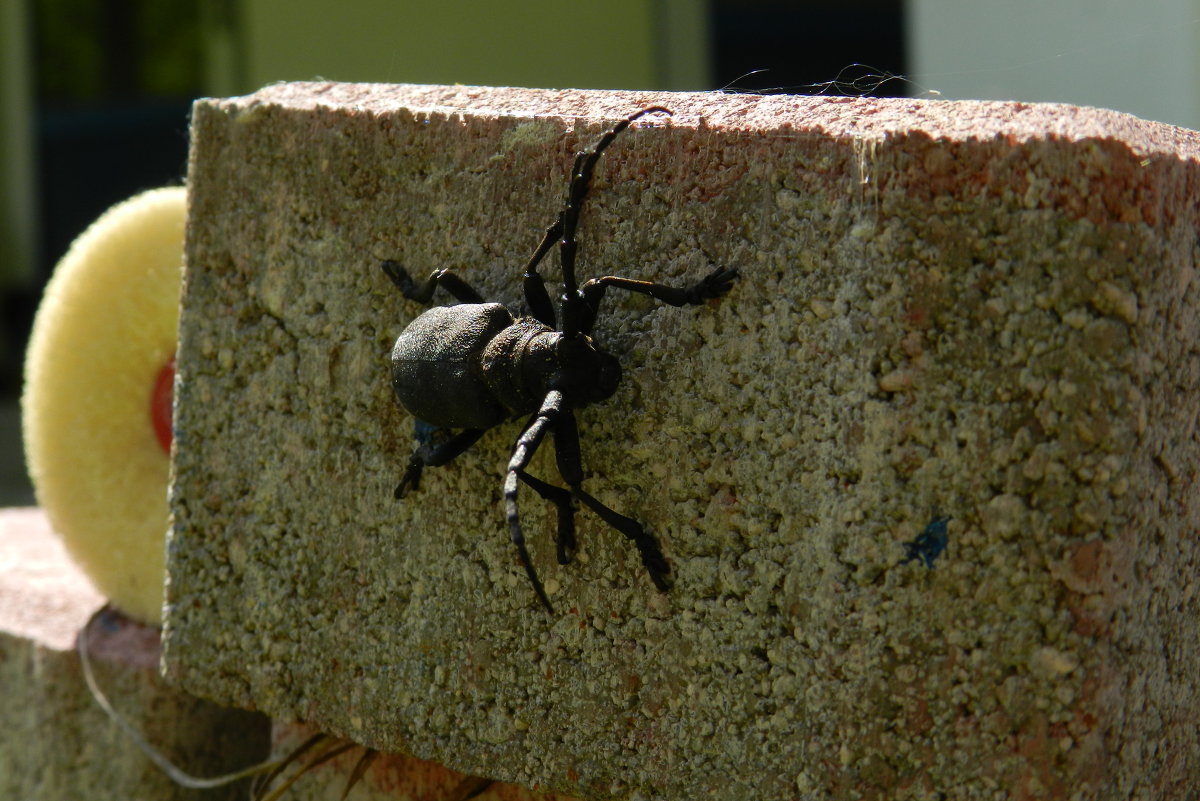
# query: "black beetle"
[[474, 365]]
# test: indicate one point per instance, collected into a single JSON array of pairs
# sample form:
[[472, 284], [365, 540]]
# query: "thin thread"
[[176, 775]]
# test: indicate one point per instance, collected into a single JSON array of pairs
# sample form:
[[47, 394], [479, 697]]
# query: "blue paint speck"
[[929, 544], [423, 431]]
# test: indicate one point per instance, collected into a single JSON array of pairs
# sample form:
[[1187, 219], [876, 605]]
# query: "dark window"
[[827, 46], [114, 80]]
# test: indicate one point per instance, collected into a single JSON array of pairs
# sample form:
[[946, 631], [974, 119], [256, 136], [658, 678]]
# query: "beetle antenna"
[[581, 179]]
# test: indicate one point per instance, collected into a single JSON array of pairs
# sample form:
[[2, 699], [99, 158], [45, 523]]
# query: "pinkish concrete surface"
[[56, 743], [43, 595]]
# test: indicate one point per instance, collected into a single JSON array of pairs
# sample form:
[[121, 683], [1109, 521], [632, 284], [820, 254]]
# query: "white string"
[[176, 775]]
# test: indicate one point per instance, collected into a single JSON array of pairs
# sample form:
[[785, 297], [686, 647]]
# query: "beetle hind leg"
[[536, 296], [565, 502], [652, 556], [526, 446], [432, 453], [570, 466], [577, 191]]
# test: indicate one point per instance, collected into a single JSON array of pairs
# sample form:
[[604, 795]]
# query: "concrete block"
[[56, 744], [983, 312]]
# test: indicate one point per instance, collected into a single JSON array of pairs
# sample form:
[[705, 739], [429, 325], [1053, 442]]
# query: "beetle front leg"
[[430, 454], [713, 285], [422, 291]]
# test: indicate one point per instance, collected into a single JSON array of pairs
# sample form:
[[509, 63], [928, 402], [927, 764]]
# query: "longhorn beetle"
[[474, 365]]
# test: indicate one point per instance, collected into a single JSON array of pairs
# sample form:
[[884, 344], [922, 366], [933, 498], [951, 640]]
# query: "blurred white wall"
[[1137, 56]]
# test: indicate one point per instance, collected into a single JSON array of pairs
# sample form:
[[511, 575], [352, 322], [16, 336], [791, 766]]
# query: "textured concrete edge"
[[1153, 193], [838, 117]]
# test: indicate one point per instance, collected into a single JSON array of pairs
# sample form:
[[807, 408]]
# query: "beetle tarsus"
[[713, 285], [652, 556], [411, 479]]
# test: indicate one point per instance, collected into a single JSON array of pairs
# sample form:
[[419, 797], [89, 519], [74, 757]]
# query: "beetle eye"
[[608, 375]]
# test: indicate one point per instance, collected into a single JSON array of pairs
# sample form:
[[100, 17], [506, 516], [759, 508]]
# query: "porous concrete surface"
[[56, 743], [980, 311]]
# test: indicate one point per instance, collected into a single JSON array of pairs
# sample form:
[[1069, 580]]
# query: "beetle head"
[[586, 373]]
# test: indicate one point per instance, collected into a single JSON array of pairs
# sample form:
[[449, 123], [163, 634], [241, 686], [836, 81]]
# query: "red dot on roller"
[[160, 404]]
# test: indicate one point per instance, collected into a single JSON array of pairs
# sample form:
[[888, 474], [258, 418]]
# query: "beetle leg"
[[536, 296], [713, 285], [570, 465], [652, 556], [523, 451], [431, 454], [422, 291], [565, 502]]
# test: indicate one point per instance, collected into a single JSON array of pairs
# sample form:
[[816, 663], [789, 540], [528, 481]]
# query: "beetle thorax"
[[528, 359]]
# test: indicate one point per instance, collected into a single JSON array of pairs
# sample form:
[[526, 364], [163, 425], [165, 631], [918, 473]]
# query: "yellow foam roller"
[[97, 399]]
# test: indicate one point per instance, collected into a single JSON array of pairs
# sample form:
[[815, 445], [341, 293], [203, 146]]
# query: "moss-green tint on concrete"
[[982, 311]]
